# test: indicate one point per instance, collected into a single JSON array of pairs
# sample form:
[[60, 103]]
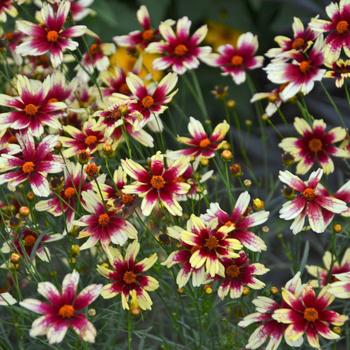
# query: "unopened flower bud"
[[247, 182], [83, 157], [30, 196], [208, 289], [91, 170], [337, 228], [337, 330], [258, 204], [265, 229], [24, 211], [58, 146], [231, 103], [226, 154], [274, 290], [246, 291], [92, 312], [204, 161], [75, 249], [236, 169], [15, 258]]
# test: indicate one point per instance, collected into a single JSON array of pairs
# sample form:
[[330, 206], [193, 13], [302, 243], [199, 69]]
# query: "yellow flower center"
[[298, 43], [69, 192], [211, 243], [310, 314], [315, 145], [52, 36], [147, 101], [204, 143], [304, 66], [31, 109], [104, 219], [66, 311], [157, 182], [129, 277], [232, 271], [180, 50], [342, 26], [90, 140], [309, 193], [28, 167], [237, 60]]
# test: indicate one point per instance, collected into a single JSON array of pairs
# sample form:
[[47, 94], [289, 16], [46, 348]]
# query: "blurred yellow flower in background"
[[220, 34]]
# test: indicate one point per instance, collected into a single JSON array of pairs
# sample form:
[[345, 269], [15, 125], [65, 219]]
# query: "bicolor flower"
[[315, 146], [79, 9], [90, 138], [65, 200], [341, 288], [158, 184], [142, 37], [32, 164], [50, 36], [200, 144], [300, 72], [337, 29], [182, 258], [127, 277], [24, 242], [114, 81], [209, 245], [149, 99], [103, 224], [338, 70], [180, 51], [239, 222], [239, 273], [7, 8], [60, 90], [63, 310], [310, 202], [237, 60], [31, 110], [301, 40], [269, 329], [309, 314], [332, 268]]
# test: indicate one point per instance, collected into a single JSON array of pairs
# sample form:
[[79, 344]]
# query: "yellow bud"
[[274, 290], [75, 249], [180, 290], [30, 196], [337, 330], [231, 103], [258, 204], [92, 312], [247, 182], [24, 211], [208, 289], [204, 161], [226, 154], [265, 229], [246, 291], [15, 258], [337, 228]]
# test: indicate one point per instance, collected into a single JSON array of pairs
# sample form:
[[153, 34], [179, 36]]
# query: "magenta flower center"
[[309, 193], [157, 182], [28, 167], [310, 314], [66, 311], [237, 60], [69, 192], [147, 101], [31, 109], [52, 36], [129, 277], [204, 143], [315, 145], [304, 66], [211, 243], [148, 34], [233, 271], [342, 26], [104, 219], [181, 50], [298, 43], [90, 140], [29, 240]]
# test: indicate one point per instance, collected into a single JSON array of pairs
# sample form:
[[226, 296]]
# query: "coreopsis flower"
[[301, 40], [239, 273], [237, 60], [7, 8], [79, 9], [31, 110], [315, 146], [209, 244], [273, 97], [60, 90], [11, 40], [103, 224], [24, 242], [269, 329], [239, 222], [300, 72], [332, 268], [337, 29], [200, 144], [310, 202], [141, 37], [341, 288], [120, 122], [114, 81], [309, 314], [90, 138], [65, 200], [158, 184], [6, 299], [338, 70], [182, 258], [32, 164], [63, 310], [180, 51], [50, 36], [151, 99], [127, 277]]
